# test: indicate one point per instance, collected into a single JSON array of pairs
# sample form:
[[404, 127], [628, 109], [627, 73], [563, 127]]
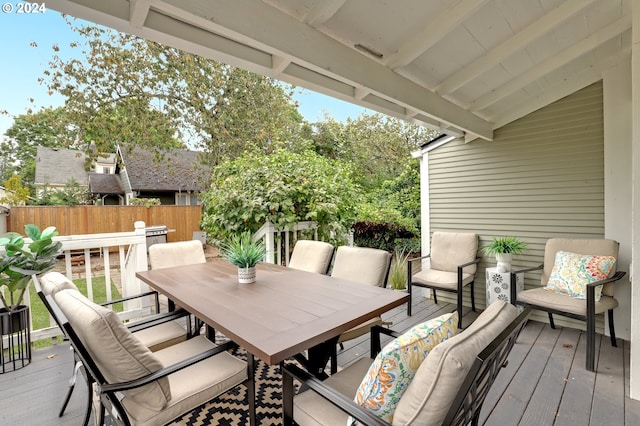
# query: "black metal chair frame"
[[108, 392], [459, 289], [466, 405], [589, 318], [148, 322]]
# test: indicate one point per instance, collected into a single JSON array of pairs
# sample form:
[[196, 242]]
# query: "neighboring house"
[[56, 167], [107, 188], [175, 176]]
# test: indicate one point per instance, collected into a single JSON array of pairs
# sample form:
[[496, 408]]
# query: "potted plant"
[[19, 262], [241, 250], [398, 270], [503, 249]]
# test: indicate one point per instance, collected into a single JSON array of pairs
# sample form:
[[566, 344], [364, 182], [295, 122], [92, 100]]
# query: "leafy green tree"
[[284, 188], [126, 89], [72, 194], [16, 194]]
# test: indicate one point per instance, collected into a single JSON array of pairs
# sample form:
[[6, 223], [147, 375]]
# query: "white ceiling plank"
[[138, 11], [322, 11], [511, 45], [561, 58], [431, 34]]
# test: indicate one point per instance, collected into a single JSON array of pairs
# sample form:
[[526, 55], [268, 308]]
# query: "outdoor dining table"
[[284, 313]]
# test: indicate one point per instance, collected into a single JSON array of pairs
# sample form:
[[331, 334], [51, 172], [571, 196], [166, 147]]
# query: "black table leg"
[[317, 358]]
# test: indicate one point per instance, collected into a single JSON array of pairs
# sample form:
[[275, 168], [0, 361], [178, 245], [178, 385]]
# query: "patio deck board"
[[545, 381]]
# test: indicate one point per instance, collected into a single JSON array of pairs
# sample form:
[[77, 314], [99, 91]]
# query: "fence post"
[[269, 240]]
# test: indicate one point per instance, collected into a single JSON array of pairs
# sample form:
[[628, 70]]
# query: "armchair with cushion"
[[367, 266], [311, 256], [577, 281], [448, 387], [134, 385], [454, 264]]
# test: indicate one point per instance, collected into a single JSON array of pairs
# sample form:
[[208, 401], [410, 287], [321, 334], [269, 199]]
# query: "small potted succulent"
[[244, 252], [503, 249]]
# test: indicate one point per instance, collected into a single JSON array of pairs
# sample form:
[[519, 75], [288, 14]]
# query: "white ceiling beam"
[[512, 45], [322, 11], [568, 86], [556, 61], [360, 93], [138, 11], [279, 64], [431, 34]]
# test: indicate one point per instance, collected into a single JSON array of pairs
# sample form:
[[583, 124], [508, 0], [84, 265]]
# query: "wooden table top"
[[284, 313]]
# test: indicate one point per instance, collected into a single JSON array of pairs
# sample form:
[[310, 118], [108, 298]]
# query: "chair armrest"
[[513, 280], [464, 265], [418, 258], [156, 320], [137, 296], [336, 398], [615, 277], [535, 268], [375, 331], [144, 380]]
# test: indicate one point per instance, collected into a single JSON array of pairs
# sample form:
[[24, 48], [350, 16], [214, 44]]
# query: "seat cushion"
[[440, 279], [564, 303], [432, 390], [311, 409], [359, 330], [450, 249], [162, 335], [176, 254], [572, 272], [361, 264], [395, 366], [192, 386], [311, 256], [52, 282], [118, 354]]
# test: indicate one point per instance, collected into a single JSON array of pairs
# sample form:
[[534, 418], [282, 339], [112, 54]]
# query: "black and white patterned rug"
[[232, 408]]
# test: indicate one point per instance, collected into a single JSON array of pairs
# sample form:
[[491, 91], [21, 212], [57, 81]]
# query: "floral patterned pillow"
[[397, 363], [572, 272]]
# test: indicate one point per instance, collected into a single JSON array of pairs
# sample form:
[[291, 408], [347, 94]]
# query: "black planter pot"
[[15, 339]]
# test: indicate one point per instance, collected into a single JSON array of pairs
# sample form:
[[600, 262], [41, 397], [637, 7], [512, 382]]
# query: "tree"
[[219, 108], [283, 188], [16, 194], [72, 194]]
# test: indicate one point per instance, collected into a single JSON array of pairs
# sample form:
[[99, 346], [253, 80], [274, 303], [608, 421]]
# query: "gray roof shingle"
[[57, 166]]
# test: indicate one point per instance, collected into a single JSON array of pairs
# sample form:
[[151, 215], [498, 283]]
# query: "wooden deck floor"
[[545, 382]]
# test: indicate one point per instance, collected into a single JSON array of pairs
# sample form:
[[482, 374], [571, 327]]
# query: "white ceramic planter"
[[247, 275], [504, 262]]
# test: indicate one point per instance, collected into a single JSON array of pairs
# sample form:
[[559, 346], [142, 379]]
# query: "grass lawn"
[[40, 315]]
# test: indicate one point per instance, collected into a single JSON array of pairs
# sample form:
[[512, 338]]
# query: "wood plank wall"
[[78, 220]]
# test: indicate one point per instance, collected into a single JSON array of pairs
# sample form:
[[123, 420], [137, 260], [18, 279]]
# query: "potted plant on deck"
[[503, 249], [244, 252], [398, 270], [19, 262]]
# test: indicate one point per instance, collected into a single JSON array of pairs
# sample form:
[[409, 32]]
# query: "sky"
[[22, 65]]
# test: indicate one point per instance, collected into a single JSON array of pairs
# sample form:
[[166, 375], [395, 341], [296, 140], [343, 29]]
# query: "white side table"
[[499, 285]]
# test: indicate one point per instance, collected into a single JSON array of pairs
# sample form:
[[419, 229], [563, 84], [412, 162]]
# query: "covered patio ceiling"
[[463, 67]]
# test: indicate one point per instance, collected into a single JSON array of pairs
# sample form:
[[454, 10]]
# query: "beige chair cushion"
[[162, 335], [600, 247], [564, 303], [311, 256], [52, 282], [450, 249], [311, 409], [361, 264], [441, 279], [176, 254], [192, 386], [430, 394], [359, 330], [118, 354]]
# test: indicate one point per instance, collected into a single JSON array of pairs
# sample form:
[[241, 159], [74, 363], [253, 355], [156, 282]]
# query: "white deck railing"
[[96, 251], [278, 240]]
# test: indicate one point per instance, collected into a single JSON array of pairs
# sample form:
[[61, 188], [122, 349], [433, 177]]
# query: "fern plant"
[[504, 245], [242, 251]]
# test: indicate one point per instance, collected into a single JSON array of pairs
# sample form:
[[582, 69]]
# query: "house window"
[[187, 199], [106, 170]]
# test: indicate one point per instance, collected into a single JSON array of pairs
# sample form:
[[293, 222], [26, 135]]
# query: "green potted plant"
[[244, 252], [19, 262], [398, 270], [503, 249]]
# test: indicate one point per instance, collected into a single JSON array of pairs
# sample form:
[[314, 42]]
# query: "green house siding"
[[542, 177]]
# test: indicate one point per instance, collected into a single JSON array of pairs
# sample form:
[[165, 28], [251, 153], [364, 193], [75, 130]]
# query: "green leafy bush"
[[283, 188], [385, 236]]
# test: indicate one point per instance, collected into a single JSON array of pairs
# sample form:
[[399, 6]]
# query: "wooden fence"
[[78, 220]]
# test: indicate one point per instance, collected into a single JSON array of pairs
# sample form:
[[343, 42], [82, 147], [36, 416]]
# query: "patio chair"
[[449, 386], [454, 264], [578, 297], [155, 331], [364, 265], [312, 256], [137, 386]]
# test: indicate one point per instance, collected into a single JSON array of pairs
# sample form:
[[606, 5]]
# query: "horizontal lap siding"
[[542, 177]]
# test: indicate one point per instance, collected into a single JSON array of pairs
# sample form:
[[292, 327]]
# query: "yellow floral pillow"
[[572, 272], [397, 363]]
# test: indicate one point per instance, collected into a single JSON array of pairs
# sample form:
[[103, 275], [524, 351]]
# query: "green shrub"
[[385, 236]]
